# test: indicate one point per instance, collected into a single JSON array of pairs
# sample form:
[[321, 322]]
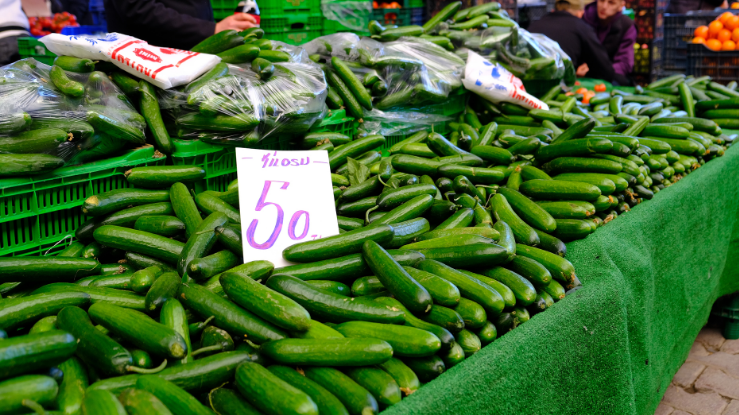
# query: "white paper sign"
[[285, 198]]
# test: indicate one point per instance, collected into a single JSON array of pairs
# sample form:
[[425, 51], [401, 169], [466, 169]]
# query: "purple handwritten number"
[[278, 225], [294, 221]]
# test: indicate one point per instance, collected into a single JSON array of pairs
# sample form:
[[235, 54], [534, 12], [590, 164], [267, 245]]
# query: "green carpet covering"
[[650, 278]]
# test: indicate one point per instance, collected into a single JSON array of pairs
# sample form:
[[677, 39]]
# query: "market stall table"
[[650, 278]]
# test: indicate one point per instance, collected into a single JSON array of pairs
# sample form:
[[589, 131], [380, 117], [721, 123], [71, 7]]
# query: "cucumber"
[[46, 140], [227, 401], [487, 333], [163, 289], [582, 165], [332, 286], [45, 324], [469, 342], [19, 121], [407, 231], [329, 352], [460, 239], [453, 356], [211, 204], [507, 238], [141, 402], [397, 280], [239, 54], [338, 245], [568, 209], [17, 312], [469, 286], [201, 375], [140, 242], [101, 402], [268, 304], [405, 341], [158, 177], [444, 335], [118, 297], [560, 268], [228, 315], [426, 368], [443, 292], [200, 242], [356, 399], [14, 393], [37, 269], [94, 348], [326, 402], [114, 200], [472, 314], [162, 225], [12, 165], [560, 190], [329, 306], [473, 255], [522, 288], [503, 211], [573, 229], [74, 250], [379, 383], [271, 394], [121, 281], [404, 377], [503, 290], [140, 330], [33, 352], [176, 399], [531, 270], [318, 330], [529, 211], [185, 208], [603, 181]]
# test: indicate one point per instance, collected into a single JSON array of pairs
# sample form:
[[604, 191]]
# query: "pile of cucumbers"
[[259, 88], [489, 31], [152, 307], [68, 113]]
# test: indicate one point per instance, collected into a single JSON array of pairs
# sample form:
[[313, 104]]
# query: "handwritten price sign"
[[285, 197]]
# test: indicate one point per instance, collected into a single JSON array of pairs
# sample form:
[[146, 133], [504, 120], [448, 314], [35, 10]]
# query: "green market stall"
[[649, 281]]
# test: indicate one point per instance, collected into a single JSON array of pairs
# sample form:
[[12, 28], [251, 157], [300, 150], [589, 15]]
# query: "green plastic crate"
[[267, 8], [30, 47], [219, 162], [38, 214], [293, 29], [337, 122]]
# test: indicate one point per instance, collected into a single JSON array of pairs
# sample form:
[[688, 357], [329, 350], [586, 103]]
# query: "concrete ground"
[[708, 381]]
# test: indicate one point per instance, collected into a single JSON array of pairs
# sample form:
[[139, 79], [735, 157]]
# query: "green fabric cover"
[[650, 278]]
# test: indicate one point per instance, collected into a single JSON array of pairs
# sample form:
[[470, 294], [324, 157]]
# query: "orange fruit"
[[714, 28], [714, 44], [724, 16], [728, 45], [699, 40], [735, 5], [735, 34], [724, 35], [732, 23], [701, 31]]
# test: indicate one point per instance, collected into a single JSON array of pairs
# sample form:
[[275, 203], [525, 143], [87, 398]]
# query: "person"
[[616, 33], [179, 24], [13, 24], [576, 38]]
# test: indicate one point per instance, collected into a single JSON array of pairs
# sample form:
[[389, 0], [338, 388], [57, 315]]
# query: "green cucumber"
[[227, 401], [211, 204], [573, 229], [140, 330], [560, 268], [443, 233], [426, 368], [163, 225], [477, 175], [582, 165], [268, 304], [487, 333], [141, 402], [32, 352], [568, 209], [529, 211], [327, 403], [206, 267], [176, 399], [469, 342], [110, 295], [522, 288], [269, 393], [140, 242], [66, 85], [356, 399], [503, 290], [45, 324], [94, 348], [20, 311], [469, 286], [47, 140], [531, 270], [479, 254], [454, 356], [503, 211], [332, 286], [185, 208], [174, 316], [239, 54], [36, 269], [330, 352], [405, 341], [379, 383], [228, 315], [406, 380], [339, 245], [560, 190], [101, 402], [72, 388], [74, 250], [26, 164], [329, 306], [162, 290], [472, 314], [16, 392], [158, 177], [443, 292]]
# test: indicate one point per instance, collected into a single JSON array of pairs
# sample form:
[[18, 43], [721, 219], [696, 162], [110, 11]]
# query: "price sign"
[[285, 198]]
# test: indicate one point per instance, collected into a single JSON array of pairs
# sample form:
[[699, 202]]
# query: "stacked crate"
[[648, 19]]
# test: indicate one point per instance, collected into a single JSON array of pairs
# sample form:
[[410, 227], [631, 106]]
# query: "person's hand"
[[582, 70], [725, 4], [238, 21]]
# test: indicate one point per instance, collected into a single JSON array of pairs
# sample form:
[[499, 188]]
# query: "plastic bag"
[[163, 67], [39, 118], [494, 83], [353, 15], [241, 107]]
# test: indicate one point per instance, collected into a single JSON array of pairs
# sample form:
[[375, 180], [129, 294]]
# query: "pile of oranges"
[[720, 34]]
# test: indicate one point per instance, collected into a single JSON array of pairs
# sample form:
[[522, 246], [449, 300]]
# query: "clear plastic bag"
[[242, 106], [353, 15], [64, 115]]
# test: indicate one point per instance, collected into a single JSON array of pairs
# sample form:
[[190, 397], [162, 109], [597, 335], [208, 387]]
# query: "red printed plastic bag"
[[163, 67], [494, 83]]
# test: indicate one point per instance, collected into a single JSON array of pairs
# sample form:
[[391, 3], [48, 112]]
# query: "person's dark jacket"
[[618, 37], [177, 24], [578, 40]]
